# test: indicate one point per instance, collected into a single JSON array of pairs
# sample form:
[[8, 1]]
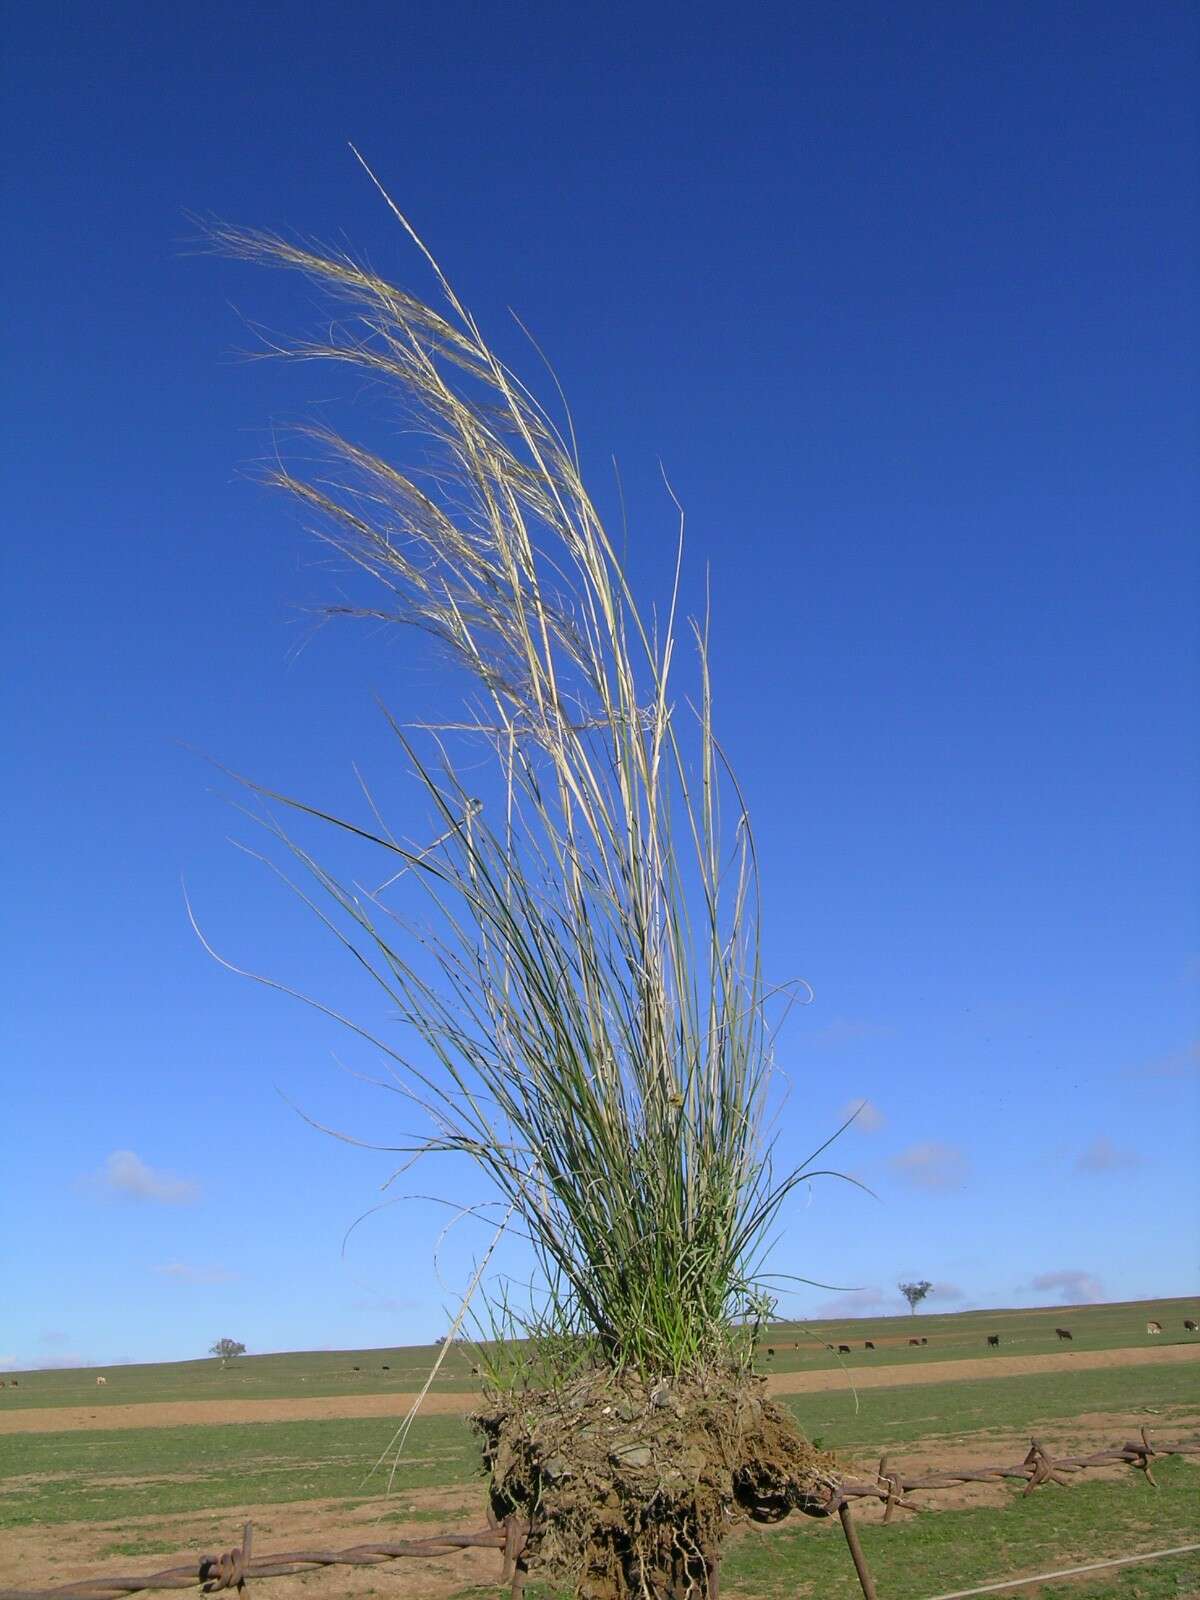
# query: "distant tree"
[[914, 1293], [227, 1349]]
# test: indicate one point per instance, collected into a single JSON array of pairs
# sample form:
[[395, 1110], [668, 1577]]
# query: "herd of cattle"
[[993, 1339]]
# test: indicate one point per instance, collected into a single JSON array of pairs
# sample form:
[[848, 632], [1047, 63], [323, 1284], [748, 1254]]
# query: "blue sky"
[[904, 301]]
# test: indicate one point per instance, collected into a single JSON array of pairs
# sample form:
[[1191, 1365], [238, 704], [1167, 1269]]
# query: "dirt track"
[[85, 1419], [996, 1367]]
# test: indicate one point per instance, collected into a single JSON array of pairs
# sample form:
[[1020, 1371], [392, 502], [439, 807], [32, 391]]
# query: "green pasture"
[[114, 1473], [797, 1347], [938, 1552], [291, 1375], [963, 1335], [144, 1472], [121, 1480]]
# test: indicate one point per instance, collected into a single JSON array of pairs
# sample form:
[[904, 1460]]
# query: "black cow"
[[1063, 1333], [843, 1349], [994, 1340], [386, 1368], [924, 1341], [1189, 1324]]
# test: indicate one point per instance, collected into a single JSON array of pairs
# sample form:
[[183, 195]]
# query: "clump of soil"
[[628, 1488]]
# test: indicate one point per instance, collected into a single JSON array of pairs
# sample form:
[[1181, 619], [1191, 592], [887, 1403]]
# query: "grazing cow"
[[14, 1383], [101, 1381], [1063, 1333], [3, 1385], [868, 1345], [917, 1342], [1154, 1327], [1189, 1324], [994, 1341], [843, 1350], [355, 1369], [386, 1368], [924, 1341], [770, 1350]]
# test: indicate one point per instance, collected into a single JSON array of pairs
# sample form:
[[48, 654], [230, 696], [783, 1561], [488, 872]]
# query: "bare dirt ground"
[[66, 1419], [44, 1556], [984, 1367]]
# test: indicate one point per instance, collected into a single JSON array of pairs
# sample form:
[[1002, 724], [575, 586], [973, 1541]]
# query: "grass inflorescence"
[[586, 981]]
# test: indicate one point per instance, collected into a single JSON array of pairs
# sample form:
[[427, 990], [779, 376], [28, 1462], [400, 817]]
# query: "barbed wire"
[[1037, 1468], [232, 1569], [235, 1567]]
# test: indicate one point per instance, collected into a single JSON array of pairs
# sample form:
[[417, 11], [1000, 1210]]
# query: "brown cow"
[[1063, 1333], [993, 1340], [843, 1349], [917, 1342]]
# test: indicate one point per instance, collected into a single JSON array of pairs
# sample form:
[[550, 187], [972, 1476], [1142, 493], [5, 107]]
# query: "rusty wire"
[[1038, 1467], [232, 1569]]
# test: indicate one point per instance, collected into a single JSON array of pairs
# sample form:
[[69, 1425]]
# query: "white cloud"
[[869, 1119], [1103, 1156], [1078, 1287], [69, 1358], [127, 1176], [854, 1303], [182, 1272], [946, 1291], [931, 1166]]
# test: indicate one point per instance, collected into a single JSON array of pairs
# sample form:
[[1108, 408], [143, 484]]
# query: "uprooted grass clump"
[[573, 958], [630, 1488]]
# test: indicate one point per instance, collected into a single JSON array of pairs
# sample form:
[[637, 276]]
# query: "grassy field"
[[286, 1376], [948, 1550], [65, 1477], [963, 1335], [74, 1501], [797, 1347]]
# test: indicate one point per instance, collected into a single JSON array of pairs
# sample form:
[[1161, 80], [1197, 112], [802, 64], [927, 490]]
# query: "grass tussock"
[[586, 983]]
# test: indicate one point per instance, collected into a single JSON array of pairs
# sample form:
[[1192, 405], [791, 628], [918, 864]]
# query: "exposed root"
[[628, 1489]]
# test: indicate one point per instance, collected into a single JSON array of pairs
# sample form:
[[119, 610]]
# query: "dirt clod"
[[629, 1489]]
